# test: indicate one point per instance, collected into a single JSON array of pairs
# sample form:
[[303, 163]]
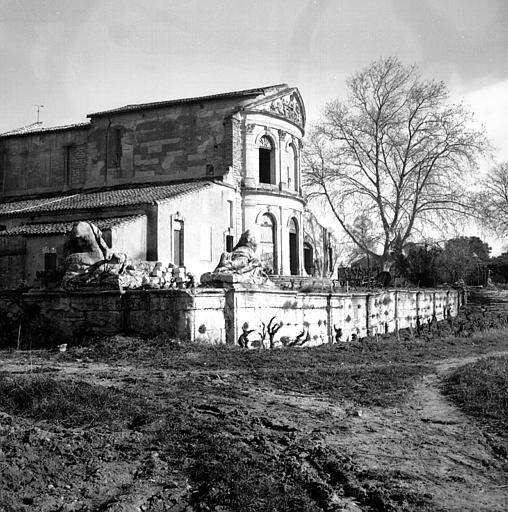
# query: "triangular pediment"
[[287, 104]]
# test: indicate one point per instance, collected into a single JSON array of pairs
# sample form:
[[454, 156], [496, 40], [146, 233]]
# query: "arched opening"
[[267, 243], [308, 258], [266, 160], [292, 168], [293, 248]]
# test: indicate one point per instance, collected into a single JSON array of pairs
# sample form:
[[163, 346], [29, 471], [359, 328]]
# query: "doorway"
[[293, 248]]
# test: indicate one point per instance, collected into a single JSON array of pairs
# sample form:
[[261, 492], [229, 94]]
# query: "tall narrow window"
[[266, 160], [292, 168], [267, 249], [178, 243], [230, 213]]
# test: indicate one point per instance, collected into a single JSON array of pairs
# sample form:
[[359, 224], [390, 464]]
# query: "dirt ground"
[[419, 453]]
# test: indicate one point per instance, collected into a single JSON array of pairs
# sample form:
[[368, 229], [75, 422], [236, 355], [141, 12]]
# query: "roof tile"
[[157, 104], [51, 228], [102, 199]]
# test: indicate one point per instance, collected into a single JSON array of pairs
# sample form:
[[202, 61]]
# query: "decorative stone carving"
[[282, 135], [238, 266], [288, 107], [89, 255], [265, 142]]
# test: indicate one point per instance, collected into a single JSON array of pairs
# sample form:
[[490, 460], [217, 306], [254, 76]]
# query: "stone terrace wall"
[[359, 314], [110, 312], [218, 316]]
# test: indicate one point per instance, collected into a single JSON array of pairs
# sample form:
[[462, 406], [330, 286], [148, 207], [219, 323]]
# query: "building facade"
[[174, 181]]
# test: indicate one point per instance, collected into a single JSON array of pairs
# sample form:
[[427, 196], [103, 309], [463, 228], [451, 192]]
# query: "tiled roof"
[[51, 228], [156, 104], [103, 199], [38, 128]]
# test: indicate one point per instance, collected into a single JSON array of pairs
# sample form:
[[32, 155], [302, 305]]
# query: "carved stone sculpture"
[[88, 256], [91, 263], [238, 266], [287, 107]]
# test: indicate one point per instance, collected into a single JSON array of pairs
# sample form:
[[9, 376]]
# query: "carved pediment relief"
[[287, 104]]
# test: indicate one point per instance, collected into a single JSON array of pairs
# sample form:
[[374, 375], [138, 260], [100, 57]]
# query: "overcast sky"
[[77, 57]]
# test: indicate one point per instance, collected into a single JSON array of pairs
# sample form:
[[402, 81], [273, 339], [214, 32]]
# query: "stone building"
[[174, 181]]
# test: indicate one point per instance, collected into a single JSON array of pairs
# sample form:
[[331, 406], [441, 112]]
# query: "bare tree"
[[396, 152], [492, 199]]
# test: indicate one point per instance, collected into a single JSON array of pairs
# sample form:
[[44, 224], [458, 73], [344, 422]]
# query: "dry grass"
[[481, 390]]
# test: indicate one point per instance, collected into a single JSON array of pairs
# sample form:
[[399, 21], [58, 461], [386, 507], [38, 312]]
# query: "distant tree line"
[[463, 259]]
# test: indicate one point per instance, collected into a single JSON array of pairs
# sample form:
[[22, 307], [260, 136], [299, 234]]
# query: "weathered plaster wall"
[[205, 219], [218, 316], [130, 238], [359, 314], [43, 162]]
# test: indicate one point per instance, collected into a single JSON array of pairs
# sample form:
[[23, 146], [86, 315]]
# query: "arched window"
[[293, 248], [266, 160], [267, 243], [292, 168]]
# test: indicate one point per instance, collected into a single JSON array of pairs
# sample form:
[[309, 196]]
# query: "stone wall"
[[111, 312], [12, 261], [43, 162], [174, 142], [219, 316]]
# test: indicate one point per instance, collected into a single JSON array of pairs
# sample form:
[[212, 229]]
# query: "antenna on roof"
[[38, 112]]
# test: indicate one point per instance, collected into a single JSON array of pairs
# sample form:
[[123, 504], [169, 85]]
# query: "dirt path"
[[430, 445]]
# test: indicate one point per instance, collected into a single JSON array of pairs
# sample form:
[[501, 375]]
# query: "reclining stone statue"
[[88, 256], [240, 265]]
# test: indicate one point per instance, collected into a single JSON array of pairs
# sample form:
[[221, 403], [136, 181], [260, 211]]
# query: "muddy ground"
[[190, 428]]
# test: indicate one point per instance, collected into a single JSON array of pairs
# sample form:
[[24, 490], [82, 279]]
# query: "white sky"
[[77, 57]]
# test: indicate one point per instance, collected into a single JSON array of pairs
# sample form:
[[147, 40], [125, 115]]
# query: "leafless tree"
[[396, 152], [492, 199]]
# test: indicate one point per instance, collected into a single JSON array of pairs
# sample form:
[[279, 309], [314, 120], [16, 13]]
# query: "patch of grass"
[[170, 354], [382, 386], [481, 390], [42, 397]]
